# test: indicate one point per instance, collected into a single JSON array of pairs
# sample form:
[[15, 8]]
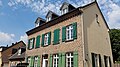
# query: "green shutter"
[[75, 59], [33, 42], [63, 60], [75, 30], [32, 61], [63, 34], [56, 36], [60, 60], [42, 43], [38, 41], [28, 44], [93, 59], [49, 38], [50, 61], [38, 65]]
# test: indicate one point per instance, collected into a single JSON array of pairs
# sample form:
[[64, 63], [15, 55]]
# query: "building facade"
[[77, 38]]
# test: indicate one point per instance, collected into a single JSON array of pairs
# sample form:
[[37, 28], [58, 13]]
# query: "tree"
[[115, 43]]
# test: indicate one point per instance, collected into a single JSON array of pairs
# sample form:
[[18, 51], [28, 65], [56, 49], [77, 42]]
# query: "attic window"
[[48, 19], [64, 11], [19, 52], [97, 19], [36, 24]]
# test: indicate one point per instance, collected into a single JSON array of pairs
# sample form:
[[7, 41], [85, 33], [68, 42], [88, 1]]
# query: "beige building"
[[77, 38]]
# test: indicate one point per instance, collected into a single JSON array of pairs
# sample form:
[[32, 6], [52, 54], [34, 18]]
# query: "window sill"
[[69, 40]]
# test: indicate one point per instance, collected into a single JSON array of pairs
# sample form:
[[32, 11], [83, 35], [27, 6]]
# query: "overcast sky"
[[18, 16]]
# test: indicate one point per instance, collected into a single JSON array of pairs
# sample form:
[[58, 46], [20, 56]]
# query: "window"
[[69, 60], [69, 32], [96, 60], [19, 52], [96, 56], [28, 60], [31, 44], [37, 24], [46, 39], [36, 61], [55, 60], [48, 19], [64, 11], [107, 61], [97, 19]]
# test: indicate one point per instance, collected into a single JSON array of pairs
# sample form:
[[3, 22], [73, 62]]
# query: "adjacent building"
[[7, 53], [77, 38], [18, 57], [2, 48]]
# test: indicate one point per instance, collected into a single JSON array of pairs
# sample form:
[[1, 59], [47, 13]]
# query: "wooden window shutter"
[[28, 44], [63, 60], [75, 59], [56, 36], [42, 43], [32, 61], [74, 30], [38, 41], [49, 38], [93, 59], [63, 34], [60, 60], [50, 61], [38, 63]]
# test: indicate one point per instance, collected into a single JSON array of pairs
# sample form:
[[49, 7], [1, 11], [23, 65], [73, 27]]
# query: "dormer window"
[[48, 19], [19, 52], [37, 24], [65, 10]]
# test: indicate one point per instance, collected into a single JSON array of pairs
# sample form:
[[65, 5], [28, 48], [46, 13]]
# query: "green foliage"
[[115, 43]]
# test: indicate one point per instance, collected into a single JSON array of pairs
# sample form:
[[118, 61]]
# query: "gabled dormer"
[[66, 7], [50, 15], [39, 21]]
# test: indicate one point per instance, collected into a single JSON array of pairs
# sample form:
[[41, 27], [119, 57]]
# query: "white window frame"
[[31, 44], [35, 61], [96, 57], [107, 61], [49, 18], [55, 60], [46, 37], [28, 60], [65, 10], [69, 56], [69, 32], [19, 52], [37, 24]]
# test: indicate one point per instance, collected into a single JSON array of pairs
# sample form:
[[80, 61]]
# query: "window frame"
[[46, 40], [28, 60], [55, 60], [69, 36], [69, 56], [31, 43], [35, 61]]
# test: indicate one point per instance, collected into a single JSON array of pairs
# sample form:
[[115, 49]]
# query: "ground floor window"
[[36, 61], [45, 61], [28, 60], [96, 60], [55, 60], [107, 61], [69, 60]]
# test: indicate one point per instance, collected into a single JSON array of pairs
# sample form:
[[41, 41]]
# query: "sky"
[[18, 16]]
